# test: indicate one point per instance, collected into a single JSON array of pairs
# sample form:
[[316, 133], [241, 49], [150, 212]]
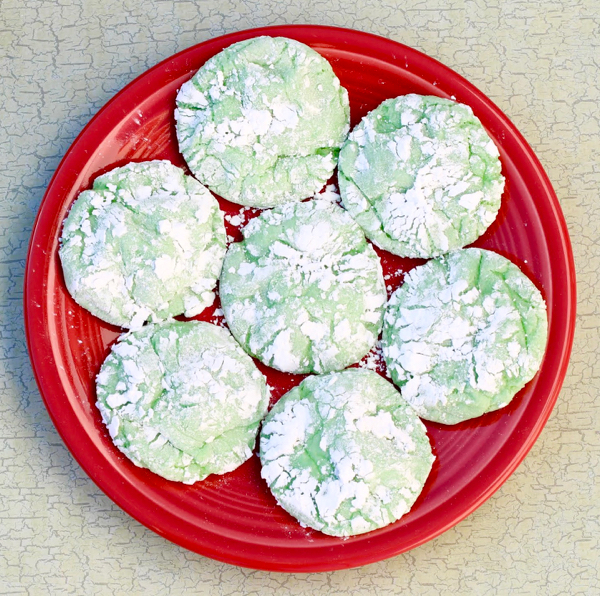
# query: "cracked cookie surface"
[[303, 291], [261, 123], [145, 243], [463, 334], [344, 453], [182, 399], [421, 176]]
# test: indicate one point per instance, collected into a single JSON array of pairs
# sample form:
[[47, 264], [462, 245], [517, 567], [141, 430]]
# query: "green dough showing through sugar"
[[182, 399], [344, 453], [463, 334], [261, 123], [145, 243], [304, 291], [421, 176]]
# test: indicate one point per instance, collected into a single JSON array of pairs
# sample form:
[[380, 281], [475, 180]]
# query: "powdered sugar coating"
[[145, 243], [304, 291], [182, 399], [261, 122], [421, 176], [344, 453], [463, 334]]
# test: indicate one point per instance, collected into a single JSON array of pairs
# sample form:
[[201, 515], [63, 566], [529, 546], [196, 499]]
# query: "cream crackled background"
[[61, 60]]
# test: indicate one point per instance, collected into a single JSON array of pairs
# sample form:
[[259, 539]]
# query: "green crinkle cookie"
[[304, 291], [421, 176], [262, 122], [463, 334], [145, 243], [344, 453], [182, 399]]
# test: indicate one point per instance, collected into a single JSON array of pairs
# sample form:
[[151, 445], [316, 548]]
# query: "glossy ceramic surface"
[[234, 518]]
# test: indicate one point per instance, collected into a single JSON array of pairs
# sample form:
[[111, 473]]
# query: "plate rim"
[[140, 513]]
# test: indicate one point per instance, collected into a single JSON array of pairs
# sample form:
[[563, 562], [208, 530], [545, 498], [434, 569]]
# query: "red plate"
[[233, 518]]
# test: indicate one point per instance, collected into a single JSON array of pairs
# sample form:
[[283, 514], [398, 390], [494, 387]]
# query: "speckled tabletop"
[[61, 60]]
